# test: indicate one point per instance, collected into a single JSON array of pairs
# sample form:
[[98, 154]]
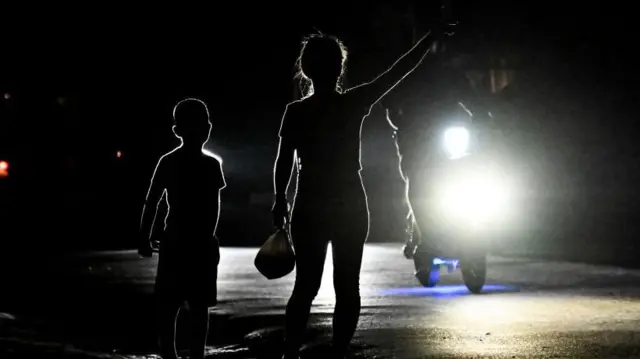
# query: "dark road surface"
[[100, 305]]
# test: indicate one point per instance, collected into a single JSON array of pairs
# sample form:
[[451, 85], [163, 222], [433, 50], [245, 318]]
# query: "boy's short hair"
[[190, 108]]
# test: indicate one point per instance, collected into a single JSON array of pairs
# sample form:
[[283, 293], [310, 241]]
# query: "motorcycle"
[[466, 195]]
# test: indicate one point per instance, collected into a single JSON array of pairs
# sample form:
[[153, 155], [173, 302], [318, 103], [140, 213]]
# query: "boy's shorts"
[[188, 276]]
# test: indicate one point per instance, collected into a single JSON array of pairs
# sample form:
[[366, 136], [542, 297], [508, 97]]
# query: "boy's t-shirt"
[[192, 190], [189, 252]]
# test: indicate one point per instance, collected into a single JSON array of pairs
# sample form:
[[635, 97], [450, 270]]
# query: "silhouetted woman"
[[321, 134]]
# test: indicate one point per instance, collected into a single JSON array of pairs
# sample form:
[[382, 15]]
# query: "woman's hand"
[[280, 211]]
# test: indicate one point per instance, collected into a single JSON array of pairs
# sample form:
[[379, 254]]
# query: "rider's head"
[[322, 61]]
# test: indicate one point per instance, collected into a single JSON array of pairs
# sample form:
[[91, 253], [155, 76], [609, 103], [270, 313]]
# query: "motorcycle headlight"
[[476, 199], [456, 141]]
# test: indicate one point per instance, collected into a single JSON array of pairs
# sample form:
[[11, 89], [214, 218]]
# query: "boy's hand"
[[144, 247], [145, 251]]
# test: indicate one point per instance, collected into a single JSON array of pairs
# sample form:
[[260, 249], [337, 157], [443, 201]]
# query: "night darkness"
[[81, 87], [86, 100]]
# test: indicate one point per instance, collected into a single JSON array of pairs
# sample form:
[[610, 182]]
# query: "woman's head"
[[322, 62]]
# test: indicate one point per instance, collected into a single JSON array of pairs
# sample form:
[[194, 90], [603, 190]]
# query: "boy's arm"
[[155, 193], [222, 184], [223, 181]]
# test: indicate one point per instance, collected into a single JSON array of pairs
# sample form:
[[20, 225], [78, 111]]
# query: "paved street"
[[100, 305]]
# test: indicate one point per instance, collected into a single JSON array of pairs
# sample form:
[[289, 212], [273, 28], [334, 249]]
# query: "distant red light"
[[4, 169]]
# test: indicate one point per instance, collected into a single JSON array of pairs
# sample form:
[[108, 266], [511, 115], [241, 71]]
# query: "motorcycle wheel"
[[474, 272], [426, 273]]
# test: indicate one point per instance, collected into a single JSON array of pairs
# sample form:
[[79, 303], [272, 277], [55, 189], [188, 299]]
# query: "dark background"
[[84, 83]]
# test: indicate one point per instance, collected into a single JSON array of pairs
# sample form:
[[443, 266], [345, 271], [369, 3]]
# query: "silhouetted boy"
[[189, 179]]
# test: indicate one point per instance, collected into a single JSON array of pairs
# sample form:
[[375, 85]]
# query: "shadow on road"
[[52, 315], [104, 303]]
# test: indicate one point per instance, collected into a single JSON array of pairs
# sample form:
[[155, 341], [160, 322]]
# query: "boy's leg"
[[168, 308], [199, 318], [203, 294]]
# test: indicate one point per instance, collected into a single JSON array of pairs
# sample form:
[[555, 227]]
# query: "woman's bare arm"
[[385, 82], [283, 167]]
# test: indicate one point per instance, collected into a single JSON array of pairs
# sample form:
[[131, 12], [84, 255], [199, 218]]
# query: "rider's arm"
[[385, 82], [393, 126]]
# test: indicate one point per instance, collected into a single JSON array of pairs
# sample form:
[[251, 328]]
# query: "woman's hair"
[[321, 55]]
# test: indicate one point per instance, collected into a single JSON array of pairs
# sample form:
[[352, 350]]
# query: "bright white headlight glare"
[[456, 141], [475, 199]]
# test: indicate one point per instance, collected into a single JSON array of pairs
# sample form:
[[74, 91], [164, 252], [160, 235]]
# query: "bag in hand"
[[276, 258]]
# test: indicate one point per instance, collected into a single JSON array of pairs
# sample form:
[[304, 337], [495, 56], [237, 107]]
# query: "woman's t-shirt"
[[326, 133]]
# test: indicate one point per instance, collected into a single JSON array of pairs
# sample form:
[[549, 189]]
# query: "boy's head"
[[191, 121]]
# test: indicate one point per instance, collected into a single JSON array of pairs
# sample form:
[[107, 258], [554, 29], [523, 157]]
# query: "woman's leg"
[[350, 229], [311, 252], [347, 262]]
